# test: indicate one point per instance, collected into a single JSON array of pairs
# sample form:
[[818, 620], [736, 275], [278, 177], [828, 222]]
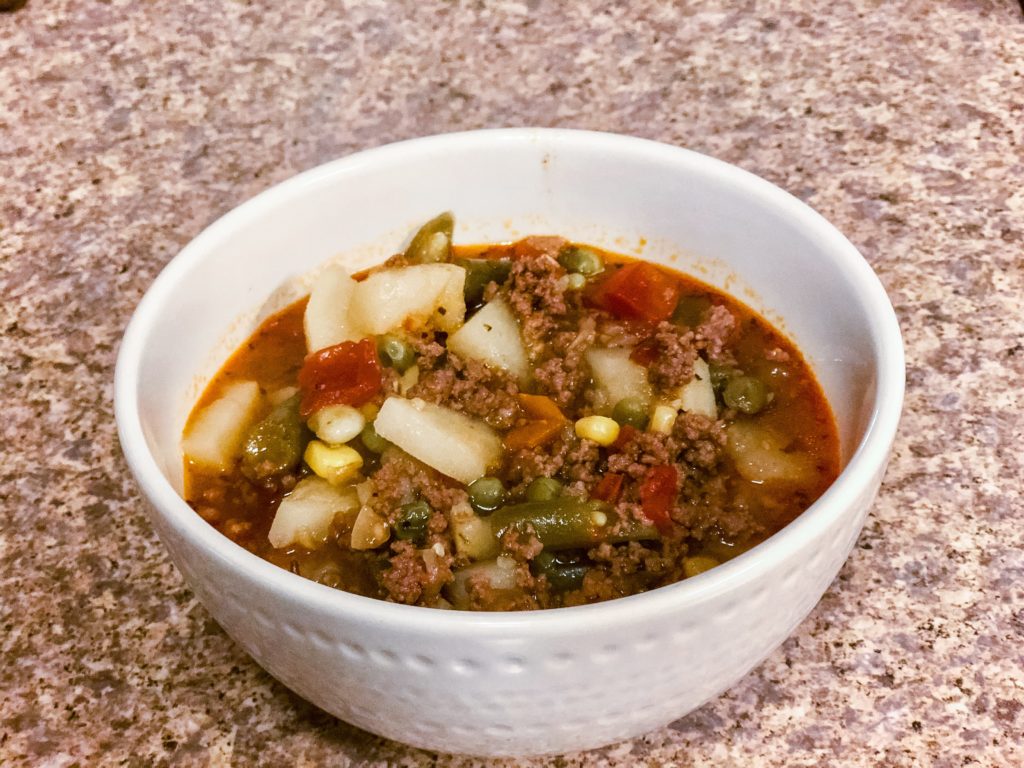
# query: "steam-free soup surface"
[[503, 427]]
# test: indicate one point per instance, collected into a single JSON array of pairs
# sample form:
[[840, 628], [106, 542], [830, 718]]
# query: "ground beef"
[[527, 464], [522, 545], [565, 374], [471, 387], [428, 349], [405, 575], [401, 479], [536, 292], [715, 332], [674, 355]]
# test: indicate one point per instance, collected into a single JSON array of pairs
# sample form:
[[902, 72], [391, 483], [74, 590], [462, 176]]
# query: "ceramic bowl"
[[547, 681]]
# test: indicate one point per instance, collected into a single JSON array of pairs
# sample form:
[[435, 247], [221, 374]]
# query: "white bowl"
[[547, 681]]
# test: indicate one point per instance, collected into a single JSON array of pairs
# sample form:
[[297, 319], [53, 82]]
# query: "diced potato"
[[698, 396], [305, 515], [413, 296], [369, 530], [492, 337], [663, 419], [617, 377], [215, 435], [760, 456], [500, 573], [327, 320], [452, 443], [473, 535]]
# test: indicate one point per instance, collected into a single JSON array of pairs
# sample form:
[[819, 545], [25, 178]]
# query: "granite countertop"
[[127, 127]]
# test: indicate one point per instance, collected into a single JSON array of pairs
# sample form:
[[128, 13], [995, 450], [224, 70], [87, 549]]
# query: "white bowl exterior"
[[517, 684]]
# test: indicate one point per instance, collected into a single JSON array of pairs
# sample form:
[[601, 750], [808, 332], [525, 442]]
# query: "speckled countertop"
[[126, 127]]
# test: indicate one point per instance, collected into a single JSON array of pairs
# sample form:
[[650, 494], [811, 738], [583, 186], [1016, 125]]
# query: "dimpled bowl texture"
[[534, 682]]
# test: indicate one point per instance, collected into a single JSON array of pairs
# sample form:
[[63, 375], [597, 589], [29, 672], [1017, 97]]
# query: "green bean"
[[690, 310], [274, 445], [411, 524], [563, 572], [567, 522], [486, 494], [479, 274], [433, 241], [746, 394], [631, 411], [582, 260], [543, 489], [373, 442], [720, 375], [395, 352]]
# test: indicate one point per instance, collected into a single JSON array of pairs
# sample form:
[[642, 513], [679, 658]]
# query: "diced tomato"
[[609, 488], [638, 291], [644, 353], [626, 435], [658, 494], [347, 373]]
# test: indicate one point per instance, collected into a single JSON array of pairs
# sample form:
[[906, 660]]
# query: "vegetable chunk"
[[492, 337], [698, 396], [617, 376], [760, 455], [215, 436], [452, 443], [410, 296], [326, 321], [305, 515]]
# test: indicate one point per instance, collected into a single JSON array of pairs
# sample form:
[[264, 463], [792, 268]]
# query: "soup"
[[509, 426]]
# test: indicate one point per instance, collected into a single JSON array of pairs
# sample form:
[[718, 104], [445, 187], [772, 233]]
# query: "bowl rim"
[[868, 459]]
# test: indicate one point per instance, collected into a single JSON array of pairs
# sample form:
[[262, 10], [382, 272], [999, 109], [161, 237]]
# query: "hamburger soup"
[[504, 427]]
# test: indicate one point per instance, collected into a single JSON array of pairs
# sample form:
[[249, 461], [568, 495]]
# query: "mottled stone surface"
[[125, 127]]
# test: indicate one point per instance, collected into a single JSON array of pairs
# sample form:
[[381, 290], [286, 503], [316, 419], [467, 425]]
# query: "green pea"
[[631, 411], [433, 241], [374, 443], [395, 352], [486, 494], [746, 394], [543, 489], [576, 258], [479, 274], [412, 520], [690, 310]]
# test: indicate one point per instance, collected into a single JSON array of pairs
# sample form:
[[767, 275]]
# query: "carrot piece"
[[532, 434], [541, 408], [544, 422]]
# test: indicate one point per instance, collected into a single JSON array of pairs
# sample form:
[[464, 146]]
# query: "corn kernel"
[[337, 424], [336, 464], [600, 429], [662, 419]]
